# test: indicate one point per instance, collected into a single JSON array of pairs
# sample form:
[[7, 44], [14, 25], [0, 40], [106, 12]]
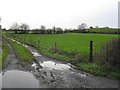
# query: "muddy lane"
[[51, 73], [60, 74], [15, 75]]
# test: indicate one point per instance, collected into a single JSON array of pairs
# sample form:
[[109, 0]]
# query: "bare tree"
[[43, 27], [59, 30], [96, 27], [54, 29], [82, 26], [15, 27], [25, 27]]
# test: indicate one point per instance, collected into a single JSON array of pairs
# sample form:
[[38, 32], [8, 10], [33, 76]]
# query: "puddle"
[[82, 75], [25, 45], [53, 65], [19, 79], [12, 39], [18, 42], [34, 65], [15, 41], [36, 54]]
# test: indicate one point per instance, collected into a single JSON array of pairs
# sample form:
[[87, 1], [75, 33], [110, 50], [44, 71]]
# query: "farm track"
[[11, 62], [59, 75]]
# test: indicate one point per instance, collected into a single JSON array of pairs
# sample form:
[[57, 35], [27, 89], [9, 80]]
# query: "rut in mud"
[[52, 73]]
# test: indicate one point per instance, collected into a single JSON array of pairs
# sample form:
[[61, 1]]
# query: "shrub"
[[109, 57], [112, 54]]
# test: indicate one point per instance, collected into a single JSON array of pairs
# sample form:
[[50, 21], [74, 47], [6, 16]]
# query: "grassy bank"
[[0, 55], [21, 53], [5, 52], [73, 48], [104, 30], [98, 70], [0, 59]]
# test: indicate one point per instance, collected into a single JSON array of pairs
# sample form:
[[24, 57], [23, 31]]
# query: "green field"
[[69, 44], [104, 30], [71, 47]]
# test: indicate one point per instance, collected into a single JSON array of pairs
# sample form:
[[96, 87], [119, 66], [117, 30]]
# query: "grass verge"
[[98, 70], [0, 59], [21, 53], [4, 53]]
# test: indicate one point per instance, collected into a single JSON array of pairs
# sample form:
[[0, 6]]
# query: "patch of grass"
[[0, 59], [104, 30], [5, 52], [98, 70], [22, 53]]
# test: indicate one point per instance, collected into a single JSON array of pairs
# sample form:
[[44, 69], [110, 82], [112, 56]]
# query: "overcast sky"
[[59, 13]]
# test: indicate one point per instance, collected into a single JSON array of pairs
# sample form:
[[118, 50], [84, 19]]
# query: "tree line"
[[82, 28], [25, 29]]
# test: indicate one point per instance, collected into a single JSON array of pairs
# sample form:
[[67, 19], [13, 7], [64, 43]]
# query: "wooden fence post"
[[91, 51], [24, 39], [55, 47], [38, 42]]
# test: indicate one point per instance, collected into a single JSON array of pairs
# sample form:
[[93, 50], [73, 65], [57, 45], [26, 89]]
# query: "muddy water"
[[54, 65], [19, 79], [36, 54]]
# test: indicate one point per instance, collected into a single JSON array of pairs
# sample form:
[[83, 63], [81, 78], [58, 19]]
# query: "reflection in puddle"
[[82, 75], [19, 79], [24, 45], [18, 42], [36, 54], [34, 65], [53, 65], [12, 40], [15, 41]]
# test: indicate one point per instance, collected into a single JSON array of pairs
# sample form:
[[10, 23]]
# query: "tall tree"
[[15, 27], [54, 30], [43, 28], [82, 26], [25, 27]]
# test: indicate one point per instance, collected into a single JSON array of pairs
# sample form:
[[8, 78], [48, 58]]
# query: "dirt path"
[[70, 77], [55, 74], [11, 62]]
